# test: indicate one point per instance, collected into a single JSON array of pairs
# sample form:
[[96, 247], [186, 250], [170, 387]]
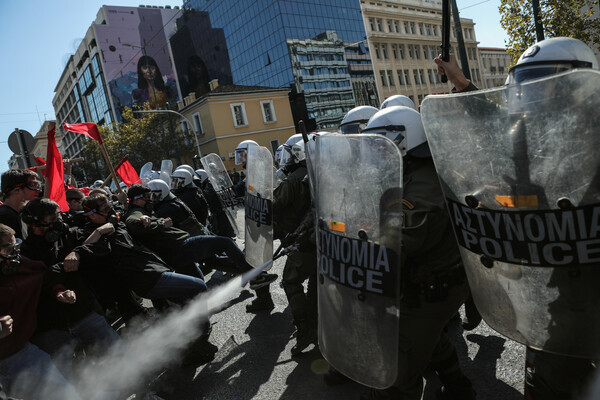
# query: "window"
[[406, 28], [411, 52], [390, 75], [421, 29], [377, 51], [268, 111], [395, 50], [418, 51], [422, 75], [389, 25], [401, 50], [400, 77], [412, 28], [397, 26], [274, 145], [384, 50], [372, 23], [238, 111], [435, 30], [380, 24], [406, 77], [416, 76], [197, 124], [428, 29], [382, 75]]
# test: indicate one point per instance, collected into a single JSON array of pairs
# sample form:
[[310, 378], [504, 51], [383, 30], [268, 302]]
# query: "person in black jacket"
[[67, 316], [182, 186], [143, 271]]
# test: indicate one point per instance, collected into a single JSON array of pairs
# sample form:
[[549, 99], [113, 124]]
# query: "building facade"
[[495, 63], [404, 37], [107, 71], [257, 35], [230, 114]]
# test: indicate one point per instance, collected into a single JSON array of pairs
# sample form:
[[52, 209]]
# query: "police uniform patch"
[[407, 204]]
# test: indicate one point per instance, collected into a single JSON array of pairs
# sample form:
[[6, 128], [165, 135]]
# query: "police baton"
[[445, 34]]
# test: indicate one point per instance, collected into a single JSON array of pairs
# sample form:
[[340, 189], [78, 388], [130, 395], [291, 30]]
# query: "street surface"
[[254, 361]]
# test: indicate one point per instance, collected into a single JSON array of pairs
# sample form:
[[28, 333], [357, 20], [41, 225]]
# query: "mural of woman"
[[197, 76], [151, 87]]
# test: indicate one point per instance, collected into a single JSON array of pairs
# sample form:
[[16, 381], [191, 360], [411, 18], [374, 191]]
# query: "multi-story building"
[[257, 35], [361, 74], [229, 114], [105, 74], [321, 73], [494, 66], [404, 37]]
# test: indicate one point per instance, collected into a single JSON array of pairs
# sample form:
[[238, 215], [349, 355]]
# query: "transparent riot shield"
[[358, 195], [231, 202], [259, 206], [520, 170], [166, 169], [146, 173]]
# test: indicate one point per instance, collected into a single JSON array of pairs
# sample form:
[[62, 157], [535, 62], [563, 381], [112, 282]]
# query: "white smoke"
[[128, 368]]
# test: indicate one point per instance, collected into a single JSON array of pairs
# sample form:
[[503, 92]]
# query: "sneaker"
[[260, 304], [262, 280]]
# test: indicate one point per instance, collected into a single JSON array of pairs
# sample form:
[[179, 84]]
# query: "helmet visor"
[[354, 128], [240, 156], [524, 73], [177, 182], [287, 158]]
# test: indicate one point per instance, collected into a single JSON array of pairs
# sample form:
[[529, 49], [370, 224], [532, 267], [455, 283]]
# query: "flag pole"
[[110, 167]]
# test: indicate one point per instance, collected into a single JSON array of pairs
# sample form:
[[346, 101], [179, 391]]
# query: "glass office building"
[[257, 31]]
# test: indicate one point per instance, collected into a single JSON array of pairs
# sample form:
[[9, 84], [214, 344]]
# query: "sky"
[[38, 36]]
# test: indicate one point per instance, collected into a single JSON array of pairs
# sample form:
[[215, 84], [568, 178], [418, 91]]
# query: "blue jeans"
[[176, 287], [92, 332], [30, 374], [199, 248]]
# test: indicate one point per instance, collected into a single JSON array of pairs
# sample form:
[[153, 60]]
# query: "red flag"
[[89, 129], [39, 162], [127, 173], [55, 172]]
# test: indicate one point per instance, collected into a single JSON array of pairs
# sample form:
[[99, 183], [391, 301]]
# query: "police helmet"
[[187, 168], [241, 151], [292, 154], [356, 119], [180, 178], [404, 126], [551, 56], [398, 100], [201, 174], [293, 139], [160, 189]]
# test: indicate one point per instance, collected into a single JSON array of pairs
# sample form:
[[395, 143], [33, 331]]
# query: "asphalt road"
[[254, 361]]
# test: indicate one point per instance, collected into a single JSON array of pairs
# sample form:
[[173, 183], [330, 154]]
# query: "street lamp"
[[182, 116]]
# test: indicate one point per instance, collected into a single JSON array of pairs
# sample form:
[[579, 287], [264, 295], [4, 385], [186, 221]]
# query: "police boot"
[[305, 336], [472, 316], [459, 390], [262, 302]]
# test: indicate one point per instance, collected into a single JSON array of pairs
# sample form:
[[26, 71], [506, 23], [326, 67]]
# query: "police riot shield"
[[146, 173], [358, 196], [520, 170], [231, 202], [259, 206], [166, 169]]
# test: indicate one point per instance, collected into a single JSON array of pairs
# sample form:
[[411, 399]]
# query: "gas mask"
[[10, 263], [57, 229]]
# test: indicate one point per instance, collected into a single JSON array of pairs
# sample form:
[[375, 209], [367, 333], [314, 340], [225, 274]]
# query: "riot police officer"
[[433, 281], [554, 375]]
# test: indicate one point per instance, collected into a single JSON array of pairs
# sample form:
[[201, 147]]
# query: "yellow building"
[[229, 114], [404, 37]]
